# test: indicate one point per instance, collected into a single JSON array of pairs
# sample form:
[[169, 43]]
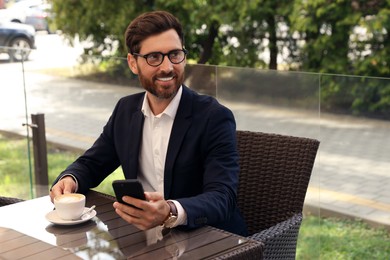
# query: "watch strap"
[[172, 208]]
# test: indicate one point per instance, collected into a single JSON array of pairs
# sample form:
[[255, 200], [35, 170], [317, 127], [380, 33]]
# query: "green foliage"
[[318, 36], [243, 35], [361, 96], [14, 170], [330, 238], [325, 27], [373, 53], [103, 23]]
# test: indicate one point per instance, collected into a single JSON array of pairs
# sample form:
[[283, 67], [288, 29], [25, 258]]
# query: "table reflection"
[[71, 237], [117, 239]]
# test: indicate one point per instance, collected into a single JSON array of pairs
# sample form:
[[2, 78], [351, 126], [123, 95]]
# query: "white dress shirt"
[[154, 146]]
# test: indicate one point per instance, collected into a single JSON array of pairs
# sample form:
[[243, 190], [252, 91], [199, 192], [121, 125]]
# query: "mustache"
[[165, 75]]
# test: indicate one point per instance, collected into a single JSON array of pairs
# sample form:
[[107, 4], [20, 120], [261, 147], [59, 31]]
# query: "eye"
[[176, 56], [175, 53], [154, 56]]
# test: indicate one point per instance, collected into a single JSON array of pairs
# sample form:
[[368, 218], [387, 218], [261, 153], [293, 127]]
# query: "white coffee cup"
[[69, 206]]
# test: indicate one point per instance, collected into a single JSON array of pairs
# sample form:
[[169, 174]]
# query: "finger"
[[139, 218], [139, 223], [55, 191], [148, 217], [128, 210], [67, 189], [140, 204], [129, 219], [69, 186], [65, 185]]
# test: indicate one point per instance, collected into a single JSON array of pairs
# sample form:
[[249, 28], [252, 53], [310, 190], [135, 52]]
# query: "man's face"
[[164, 80]]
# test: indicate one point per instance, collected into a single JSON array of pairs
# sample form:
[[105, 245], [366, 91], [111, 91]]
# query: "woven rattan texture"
[[8, 200], [274, 175], [281, 239]]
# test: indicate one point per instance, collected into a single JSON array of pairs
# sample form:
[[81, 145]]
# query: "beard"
[[162, 91]]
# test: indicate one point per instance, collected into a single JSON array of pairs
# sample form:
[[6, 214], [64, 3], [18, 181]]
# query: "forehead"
[[162, 42]]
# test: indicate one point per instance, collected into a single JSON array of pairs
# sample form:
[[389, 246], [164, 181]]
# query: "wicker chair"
[[8, 200], [274, 176]]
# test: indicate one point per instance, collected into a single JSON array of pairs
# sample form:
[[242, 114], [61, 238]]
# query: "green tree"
[[325, 27], [333, 43], [263, 27], [372, 52], [103, 23], [319, 36], [316, 33]]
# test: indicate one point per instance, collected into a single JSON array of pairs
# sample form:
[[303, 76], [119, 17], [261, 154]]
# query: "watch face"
[[170, 221]]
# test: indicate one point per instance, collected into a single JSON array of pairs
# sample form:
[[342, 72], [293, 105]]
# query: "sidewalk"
[[352, 169]]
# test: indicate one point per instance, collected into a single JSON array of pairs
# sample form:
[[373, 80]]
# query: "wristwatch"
[[172, 217]]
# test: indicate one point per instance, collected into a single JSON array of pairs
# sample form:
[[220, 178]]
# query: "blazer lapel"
[[180, 126], [135, 134]]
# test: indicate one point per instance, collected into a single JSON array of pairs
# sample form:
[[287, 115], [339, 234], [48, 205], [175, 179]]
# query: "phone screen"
[[132, 188]]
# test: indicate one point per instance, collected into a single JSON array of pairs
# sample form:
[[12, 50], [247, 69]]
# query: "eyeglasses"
[[156, 58]]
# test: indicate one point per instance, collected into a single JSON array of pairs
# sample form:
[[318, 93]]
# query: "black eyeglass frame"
[[145, 56]]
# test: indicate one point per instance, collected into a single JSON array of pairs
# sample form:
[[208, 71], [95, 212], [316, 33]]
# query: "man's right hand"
[[65, 185]]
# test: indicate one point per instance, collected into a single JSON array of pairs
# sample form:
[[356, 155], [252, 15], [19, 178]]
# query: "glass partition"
[[355, 147], [15, 159], [349, 178], [271, 101], [284, 103]]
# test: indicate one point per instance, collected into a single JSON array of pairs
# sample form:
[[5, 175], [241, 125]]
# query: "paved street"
[[350, 177]]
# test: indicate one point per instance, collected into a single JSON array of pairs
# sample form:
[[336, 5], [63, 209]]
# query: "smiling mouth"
[[165, 78]]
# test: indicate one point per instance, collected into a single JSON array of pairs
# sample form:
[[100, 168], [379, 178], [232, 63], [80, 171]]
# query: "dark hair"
[[148, 24]]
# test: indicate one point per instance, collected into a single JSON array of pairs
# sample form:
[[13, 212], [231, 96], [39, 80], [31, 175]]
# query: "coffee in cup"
[[69, 206]]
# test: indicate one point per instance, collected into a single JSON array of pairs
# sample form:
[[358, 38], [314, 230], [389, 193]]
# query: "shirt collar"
[[170, 110]]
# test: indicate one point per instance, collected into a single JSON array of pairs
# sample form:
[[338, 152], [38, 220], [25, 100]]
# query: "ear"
[[132, 62]]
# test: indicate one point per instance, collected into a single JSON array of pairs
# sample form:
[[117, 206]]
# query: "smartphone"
[[132, 188]]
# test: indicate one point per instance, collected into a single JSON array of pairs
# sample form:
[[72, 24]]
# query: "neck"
[[157, 105]]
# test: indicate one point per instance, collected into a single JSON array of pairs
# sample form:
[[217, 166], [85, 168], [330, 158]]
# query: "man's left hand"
[[147, 213]]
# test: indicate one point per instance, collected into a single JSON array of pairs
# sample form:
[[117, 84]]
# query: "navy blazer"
[[201, 168]]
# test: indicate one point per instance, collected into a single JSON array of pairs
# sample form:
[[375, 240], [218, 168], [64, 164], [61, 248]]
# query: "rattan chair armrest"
[[280, 240], [8, 200]]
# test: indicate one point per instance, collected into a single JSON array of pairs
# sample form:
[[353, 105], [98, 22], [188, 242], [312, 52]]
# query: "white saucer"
[[53, 217]]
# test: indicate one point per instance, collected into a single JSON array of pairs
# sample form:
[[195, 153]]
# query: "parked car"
[[17, 40], [32, 12], [38, 17]]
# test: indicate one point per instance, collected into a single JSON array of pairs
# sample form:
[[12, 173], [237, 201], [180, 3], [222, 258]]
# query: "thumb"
[[153, 196]]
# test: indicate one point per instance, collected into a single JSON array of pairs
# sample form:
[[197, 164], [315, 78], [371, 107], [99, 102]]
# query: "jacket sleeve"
[[216, 203], [91, 168]]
